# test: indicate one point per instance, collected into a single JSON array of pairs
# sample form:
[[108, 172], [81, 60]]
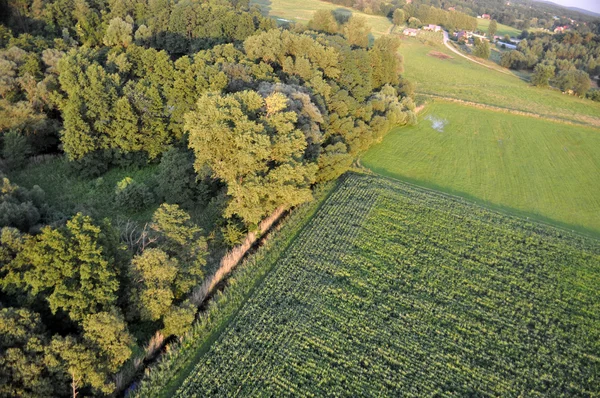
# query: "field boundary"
[[498, 209], [594, 124], [177, 363]]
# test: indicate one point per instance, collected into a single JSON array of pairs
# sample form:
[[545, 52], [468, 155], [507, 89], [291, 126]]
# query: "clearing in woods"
[[535, 167], [302, 11], [395, 290]]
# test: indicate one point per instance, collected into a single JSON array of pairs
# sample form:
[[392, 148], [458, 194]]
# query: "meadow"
[[484, 24], [535, 167], [303, 11], [456, 77], [395, 290]]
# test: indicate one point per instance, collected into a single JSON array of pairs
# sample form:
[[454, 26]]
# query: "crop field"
[[302, 11], [543, 169], [457, 77], [392, 290], [484, 24]]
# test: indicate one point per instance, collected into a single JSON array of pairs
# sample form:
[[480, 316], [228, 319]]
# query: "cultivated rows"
[[393, 290]]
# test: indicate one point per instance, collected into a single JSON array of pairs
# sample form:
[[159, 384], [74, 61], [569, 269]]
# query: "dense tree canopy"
[[222, 117]]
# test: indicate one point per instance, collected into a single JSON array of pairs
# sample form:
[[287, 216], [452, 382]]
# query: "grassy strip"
[[166, 377]]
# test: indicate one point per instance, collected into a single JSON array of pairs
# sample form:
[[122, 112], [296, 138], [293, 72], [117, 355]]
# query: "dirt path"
[[455, 51]]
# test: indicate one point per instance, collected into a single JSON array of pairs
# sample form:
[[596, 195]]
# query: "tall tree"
[[492, 29], [74, 267], [357, 31], [251, 144]]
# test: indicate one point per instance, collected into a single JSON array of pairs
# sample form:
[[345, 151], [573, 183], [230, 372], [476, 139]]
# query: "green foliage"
[[14, 150], [357, 31], [107, 333], [542, 73], [74, 268], [399, 17], [79, 364], [153, 274], [118, 33], [19, 207], [492, 271], [482, 49], [574, 80], [178, 320], [23, 371], [183, 240], [176, 179], [256, 153], [133, 195], [492, 29], [323, 21]]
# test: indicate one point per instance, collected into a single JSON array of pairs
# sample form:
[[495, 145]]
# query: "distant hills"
[[577, 9]]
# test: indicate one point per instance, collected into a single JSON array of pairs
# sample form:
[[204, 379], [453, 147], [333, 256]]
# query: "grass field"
[[302, 11], [540, 168], [392, 290], [460, 78], [484, 24]]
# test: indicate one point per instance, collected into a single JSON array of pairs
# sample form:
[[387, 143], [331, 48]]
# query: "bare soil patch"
[[439, 55]]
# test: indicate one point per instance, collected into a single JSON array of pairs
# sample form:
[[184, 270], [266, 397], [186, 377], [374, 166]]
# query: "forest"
[[227, 112], [567, 60]]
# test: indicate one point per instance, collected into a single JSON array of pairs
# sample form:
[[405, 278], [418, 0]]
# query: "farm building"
[[433, 28], [486, 16], [463, 35], [410, 32], [482, 37]]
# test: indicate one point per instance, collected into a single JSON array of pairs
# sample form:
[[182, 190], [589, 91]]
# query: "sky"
[[592, 5]]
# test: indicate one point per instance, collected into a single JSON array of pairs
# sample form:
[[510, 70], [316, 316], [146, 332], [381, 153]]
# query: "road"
[[454, 50]]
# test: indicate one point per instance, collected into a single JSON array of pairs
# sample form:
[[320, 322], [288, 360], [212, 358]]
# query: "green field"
[[460, 78], [302, 11], [484, 24], [392, 290], [539, 168]]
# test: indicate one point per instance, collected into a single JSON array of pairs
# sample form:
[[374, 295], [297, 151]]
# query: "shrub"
[[20, 208], [176, 178], [133, 195], [179, 319], [15, 150]]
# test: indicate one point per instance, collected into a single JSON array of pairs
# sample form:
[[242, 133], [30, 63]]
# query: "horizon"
[[589, 5]]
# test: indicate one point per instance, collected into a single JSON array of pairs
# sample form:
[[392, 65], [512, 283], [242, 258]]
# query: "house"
[[486, 16], [451, 9], [482, 37], [561, 29], [462, 35], [410, 32], [433, 28]]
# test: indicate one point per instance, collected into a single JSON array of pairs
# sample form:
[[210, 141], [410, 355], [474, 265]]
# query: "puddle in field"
[[436, 123]]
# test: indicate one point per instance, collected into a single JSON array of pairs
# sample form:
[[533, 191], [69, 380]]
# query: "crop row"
[[392, 290]]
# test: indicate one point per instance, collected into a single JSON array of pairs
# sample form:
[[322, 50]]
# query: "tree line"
[[567, 60]]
